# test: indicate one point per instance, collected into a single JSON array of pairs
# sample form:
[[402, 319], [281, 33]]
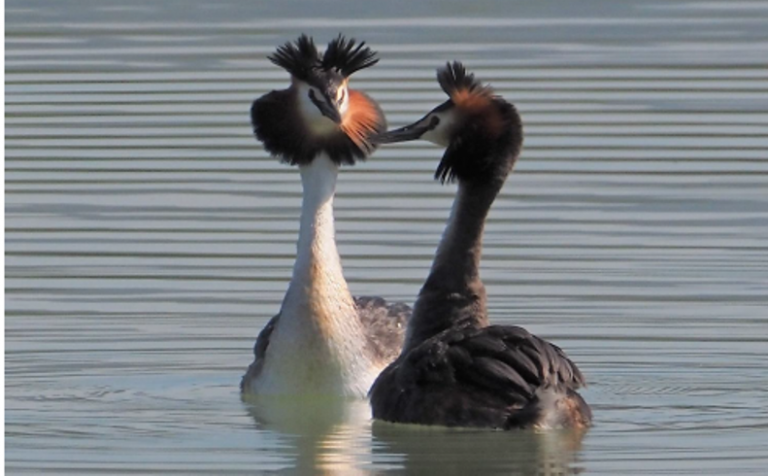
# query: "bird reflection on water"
[[462, 451], [336, 436], [329, 435]]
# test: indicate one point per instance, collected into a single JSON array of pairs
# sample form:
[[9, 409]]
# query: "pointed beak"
[[330, 112], [327, 109], [404, 134]]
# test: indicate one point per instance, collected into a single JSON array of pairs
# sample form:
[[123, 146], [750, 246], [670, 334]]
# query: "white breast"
[[318, 345]]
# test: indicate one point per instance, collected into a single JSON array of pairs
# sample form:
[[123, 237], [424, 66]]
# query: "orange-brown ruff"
[[363, 119], [324, 341], [455, 368]]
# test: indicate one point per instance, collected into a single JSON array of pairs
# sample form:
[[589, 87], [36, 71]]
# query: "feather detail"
[[454, 78], [299, 58], [363, 119], [348, 57]]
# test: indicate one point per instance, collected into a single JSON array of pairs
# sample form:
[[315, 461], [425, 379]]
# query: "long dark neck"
[[453, 294]]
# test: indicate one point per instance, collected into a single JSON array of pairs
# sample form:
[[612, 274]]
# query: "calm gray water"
[[149, 237]]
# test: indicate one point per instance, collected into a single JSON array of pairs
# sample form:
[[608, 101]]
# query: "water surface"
[[149, 237]]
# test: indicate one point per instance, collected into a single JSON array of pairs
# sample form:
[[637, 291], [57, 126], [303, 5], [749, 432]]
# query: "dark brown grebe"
[[455, 368], [323, 342]]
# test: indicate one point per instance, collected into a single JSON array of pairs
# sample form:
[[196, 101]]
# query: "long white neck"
[[316, 248], [319, 322], [318, 281]]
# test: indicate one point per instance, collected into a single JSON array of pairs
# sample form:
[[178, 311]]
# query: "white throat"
[[319, 343], [317, 234], [317, 275]]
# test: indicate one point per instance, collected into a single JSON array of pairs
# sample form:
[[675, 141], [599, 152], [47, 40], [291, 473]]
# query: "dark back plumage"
[[481, 377]]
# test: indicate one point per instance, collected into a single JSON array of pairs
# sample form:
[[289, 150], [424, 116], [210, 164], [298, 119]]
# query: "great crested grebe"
[[455, 368], [323, 341]]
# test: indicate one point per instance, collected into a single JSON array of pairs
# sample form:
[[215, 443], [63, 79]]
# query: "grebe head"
[[319, 113], [482, 133]]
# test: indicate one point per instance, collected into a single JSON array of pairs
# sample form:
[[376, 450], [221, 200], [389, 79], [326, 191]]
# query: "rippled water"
[[149, 237]]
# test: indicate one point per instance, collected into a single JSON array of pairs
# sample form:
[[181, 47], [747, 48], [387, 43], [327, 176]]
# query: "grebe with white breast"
[[323, 341]]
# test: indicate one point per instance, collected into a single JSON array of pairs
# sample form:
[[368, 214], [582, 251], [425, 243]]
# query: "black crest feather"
[[454, 77], [348, 57], [298, 58]]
